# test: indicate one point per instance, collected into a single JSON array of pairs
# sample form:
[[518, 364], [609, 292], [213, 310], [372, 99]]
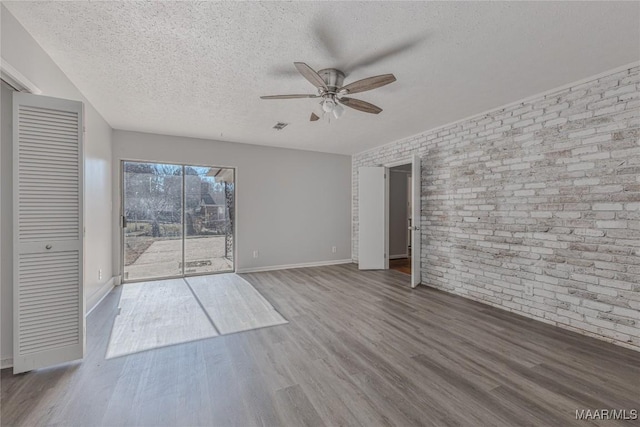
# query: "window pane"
[[153, 212], [209, 214]]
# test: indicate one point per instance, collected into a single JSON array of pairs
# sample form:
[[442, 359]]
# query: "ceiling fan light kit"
[[328, 105], [329, 83], [338, 111]]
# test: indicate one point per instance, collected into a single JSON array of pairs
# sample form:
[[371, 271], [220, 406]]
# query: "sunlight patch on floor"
[[233, 304], [156, 314], [167, 312]]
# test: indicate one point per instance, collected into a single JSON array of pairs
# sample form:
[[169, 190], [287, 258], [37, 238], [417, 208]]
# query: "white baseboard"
[[6, 363], [100, 294], [399, 256], [288, 266]]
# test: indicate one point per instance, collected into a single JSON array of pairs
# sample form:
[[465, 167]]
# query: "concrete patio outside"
[[163, 258]]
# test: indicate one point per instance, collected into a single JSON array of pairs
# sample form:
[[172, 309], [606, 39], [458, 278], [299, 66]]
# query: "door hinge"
[[123, 221]]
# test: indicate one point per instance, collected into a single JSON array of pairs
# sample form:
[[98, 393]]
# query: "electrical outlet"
[[333, 249], [99, 274], [528, 290], [256, 254]]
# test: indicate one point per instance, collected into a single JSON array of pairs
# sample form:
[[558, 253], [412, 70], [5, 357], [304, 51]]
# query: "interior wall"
[[292, 206], [535, 207], [398, 213], [20, 50]]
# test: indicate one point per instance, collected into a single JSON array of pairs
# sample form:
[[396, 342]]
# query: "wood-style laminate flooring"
[[360, 348], [232, 304], [402, 265], [156, 314]]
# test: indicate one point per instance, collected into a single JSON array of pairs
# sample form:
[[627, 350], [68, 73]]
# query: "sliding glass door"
[[177, 220], [208, 245], [152, 220]]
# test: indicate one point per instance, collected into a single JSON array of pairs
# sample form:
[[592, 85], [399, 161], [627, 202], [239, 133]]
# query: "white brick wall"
[[543, 193]]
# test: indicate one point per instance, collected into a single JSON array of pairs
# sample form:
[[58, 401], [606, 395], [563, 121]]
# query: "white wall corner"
[[94, 300]]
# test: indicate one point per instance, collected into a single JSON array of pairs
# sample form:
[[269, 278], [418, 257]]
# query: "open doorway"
[[373, 217], [400, 218]]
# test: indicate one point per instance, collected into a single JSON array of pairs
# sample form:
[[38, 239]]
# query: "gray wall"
[[22, 52], [292, 205], [398, 213], [535, 207]]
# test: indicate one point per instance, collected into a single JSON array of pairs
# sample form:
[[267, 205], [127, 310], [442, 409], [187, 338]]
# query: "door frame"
[[122, 230], [415, 201]]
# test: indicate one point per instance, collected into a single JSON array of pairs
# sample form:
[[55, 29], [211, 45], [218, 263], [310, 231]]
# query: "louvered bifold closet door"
[[48, 231]]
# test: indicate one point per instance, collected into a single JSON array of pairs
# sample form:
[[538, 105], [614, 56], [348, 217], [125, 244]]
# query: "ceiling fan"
[[329, 83]]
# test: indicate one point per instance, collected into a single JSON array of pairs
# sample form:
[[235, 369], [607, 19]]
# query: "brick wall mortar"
[[543, 193]]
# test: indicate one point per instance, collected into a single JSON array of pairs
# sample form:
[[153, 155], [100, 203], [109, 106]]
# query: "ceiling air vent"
[[280, 126]]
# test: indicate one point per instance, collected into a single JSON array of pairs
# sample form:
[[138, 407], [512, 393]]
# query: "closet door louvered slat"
[[48, 231]]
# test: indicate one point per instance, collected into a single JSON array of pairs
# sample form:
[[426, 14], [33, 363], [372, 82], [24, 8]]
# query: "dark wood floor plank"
[[532, 411], [297, 409], [225, 398], [361, 349], [336, 398]]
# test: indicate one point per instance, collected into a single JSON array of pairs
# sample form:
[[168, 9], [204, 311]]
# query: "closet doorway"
[[400, 211], [177, 220]]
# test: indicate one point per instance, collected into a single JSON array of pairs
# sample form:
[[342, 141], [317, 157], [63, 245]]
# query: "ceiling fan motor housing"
[[333, 78]]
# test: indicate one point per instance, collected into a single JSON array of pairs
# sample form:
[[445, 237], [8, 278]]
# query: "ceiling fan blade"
[[314, 117], [329, 39], [359, 105], [386, 53], [288, 96], [369, 83], [308, 73]]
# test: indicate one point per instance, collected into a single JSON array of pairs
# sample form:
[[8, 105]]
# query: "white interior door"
[[48, 300], [372, 218], [415, 222]]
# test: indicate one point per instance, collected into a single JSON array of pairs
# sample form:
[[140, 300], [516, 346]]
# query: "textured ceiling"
[[198, 68]]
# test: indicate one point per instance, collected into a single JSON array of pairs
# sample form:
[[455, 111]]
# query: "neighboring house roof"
[[206, 199], [215, 199]]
